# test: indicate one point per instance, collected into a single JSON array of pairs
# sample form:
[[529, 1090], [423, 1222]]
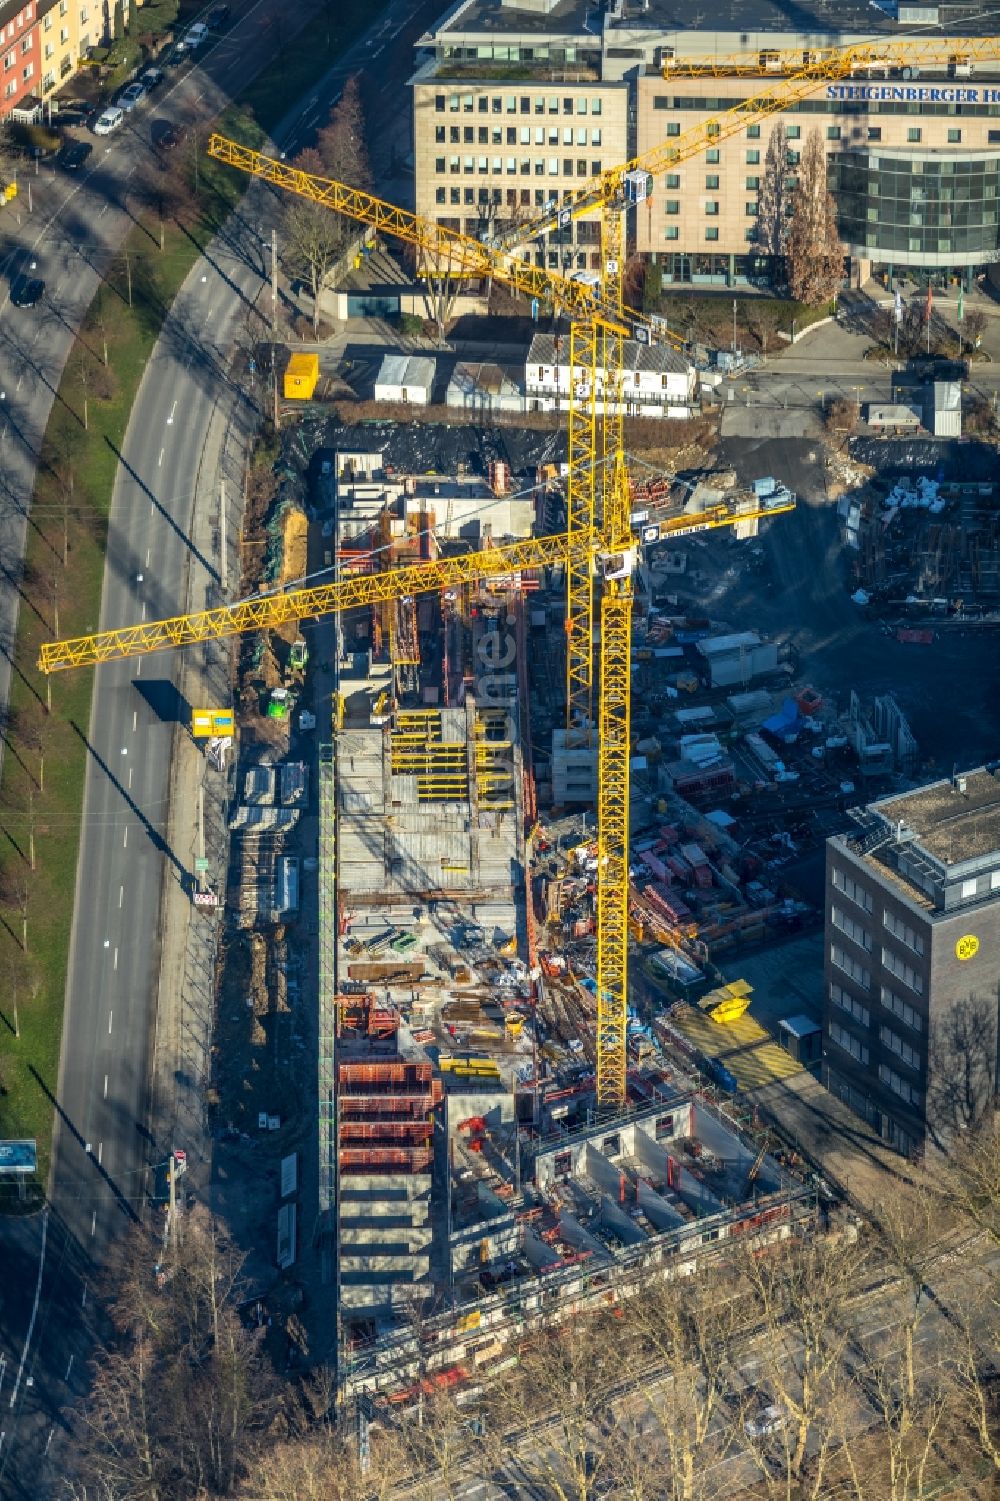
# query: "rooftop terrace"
[[953, 820]]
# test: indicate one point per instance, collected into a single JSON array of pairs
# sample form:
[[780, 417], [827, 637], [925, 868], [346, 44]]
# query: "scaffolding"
[[327, 982], [417, 749]]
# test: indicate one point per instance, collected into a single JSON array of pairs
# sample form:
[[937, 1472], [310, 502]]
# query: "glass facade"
[[917, 209]]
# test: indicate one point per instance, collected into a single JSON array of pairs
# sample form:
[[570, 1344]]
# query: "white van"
[[108, 121]]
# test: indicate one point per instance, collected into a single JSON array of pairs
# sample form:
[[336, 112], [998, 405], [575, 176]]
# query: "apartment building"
[[912, 961], [41, 45], [518, 101]]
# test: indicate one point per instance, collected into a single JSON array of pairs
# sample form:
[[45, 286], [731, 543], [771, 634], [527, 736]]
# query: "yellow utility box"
[[301, 377]]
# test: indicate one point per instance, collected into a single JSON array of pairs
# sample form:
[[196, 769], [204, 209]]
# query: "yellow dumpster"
[[301, 377]]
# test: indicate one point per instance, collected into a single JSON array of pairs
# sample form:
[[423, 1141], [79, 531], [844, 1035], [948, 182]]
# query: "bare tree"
[[799, 1293], [814, 253], [181, 1404], [687, 1330], [314, 237], [15, 892], [971, 1185], [771, 221], [342, 143], [911, 1231]]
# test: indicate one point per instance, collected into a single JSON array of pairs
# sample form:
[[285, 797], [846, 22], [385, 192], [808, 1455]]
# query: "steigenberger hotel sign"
[[909, 93]]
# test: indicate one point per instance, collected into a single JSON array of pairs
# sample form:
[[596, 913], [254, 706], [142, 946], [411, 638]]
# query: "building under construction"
[[459, 1163]]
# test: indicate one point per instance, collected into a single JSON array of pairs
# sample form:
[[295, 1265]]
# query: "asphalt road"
[[102, 1149], [102, 1146]]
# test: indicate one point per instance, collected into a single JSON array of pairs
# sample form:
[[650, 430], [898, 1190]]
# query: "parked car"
[[130, 97], [73, 155], [165, 137], [109, 120], [765, 1421], [151, 78], [193, 37], [219, 16], [26, 291]]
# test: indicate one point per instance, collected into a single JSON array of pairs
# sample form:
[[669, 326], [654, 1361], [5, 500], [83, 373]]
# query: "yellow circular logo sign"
[[967, 946]]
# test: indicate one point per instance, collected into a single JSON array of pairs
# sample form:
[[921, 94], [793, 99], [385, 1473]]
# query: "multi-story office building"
[[912, 961], [516, 103]]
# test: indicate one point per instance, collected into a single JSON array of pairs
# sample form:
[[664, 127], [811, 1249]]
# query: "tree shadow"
[[153, 500], [119, 1197]]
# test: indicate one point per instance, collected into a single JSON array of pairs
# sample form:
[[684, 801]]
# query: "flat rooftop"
[[566, 18], [818, 18], [955, 819]]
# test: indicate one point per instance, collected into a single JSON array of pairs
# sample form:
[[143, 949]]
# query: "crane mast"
[[598, 537]]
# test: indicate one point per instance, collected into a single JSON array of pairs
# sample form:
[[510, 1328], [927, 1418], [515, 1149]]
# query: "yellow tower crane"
[[597, 539]]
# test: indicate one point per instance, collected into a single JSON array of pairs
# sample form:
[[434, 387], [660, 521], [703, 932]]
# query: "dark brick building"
[[912, 962]]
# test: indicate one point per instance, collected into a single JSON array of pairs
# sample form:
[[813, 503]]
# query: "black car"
[[73, 155], [165, 137], [219, 16], [26, 291]]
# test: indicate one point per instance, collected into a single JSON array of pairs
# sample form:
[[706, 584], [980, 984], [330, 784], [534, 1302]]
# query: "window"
[[899, 1086], [483, 135], [852, 929], [595, 137], [753, 132], [994, 880], [794, 157], [438, 160], [26, 44], [712, 128], [671, 232], [851, 966], [439, 195], [454, 195], [750, 234], [496, 104], [902, 930], [712, 182], [751, 208], [854, 893], [467, 104], [753, 158], [993, 136], [713, 156], [913, 134], [954, 136], [752, 184], [847, 1040], [483, 104], [468, 134], [874, 132], [439, 134], [595, 106], [672, 181], [901, 1009], [671, 206], [712, 207], [833, 132], [673, 127], [849, 1003], [793, 132], [898, 966], [903, 1050], [581, 106], [712, 233], [969, 888]]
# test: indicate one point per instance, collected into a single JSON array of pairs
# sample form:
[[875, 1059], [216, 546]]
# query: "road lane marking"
[[100, 1152], [116, 956], [159, 465], [110, 1015], [143, 616], [49, 1439], [170, 419], [105, 1086], [125, 839], [121, 897], [34, 1309], [130, 776], [68, 1368], [135, 713], [20, 378], [138, 673], [93, 1223], [147, 557], [83, 1300]]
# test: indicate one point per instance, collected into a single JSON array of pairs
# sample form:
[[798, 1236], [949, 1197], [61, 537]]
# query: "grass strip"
[[42, 780]]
